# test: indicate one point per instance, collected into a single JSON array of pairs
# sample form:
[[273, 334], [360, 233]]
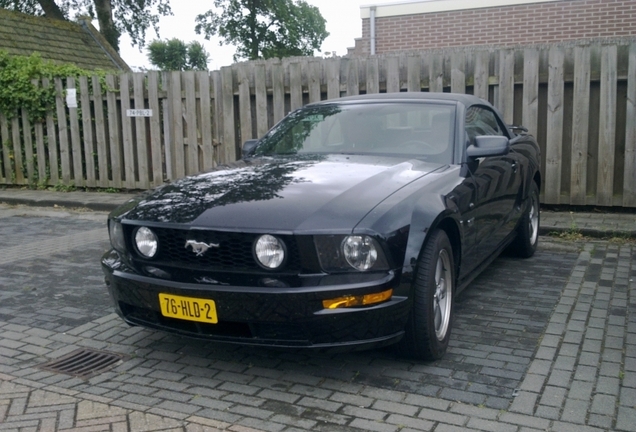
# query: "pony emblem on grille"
[[200, 248]]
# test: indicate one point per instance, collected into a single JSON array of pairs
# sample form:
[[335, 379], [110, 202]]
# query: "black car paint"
[[395, 199]]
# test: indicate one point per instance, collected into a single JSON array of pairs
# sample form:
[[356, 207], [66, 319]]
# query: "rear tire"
[[525, 245], [428, 329]]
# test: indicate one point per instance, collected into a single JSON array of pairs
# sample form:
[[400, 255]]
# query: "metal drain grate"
[[84, 363]]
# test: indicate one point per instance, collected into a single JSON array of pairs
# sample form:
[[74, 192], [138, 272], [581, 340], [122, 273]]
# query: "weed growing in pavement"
[[64, 188]]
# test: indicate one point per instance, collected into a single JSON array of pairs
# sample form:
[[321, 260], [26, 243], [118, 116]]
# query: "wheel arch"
[[449, 225]]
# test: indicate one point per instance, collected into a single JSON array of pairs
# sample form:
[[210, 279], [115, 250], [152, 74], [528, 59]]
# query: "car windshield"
[[421, 130]]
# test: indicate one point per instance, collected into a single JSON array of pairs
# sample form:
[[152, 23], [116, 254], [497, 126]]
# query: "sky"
[[342, 16]]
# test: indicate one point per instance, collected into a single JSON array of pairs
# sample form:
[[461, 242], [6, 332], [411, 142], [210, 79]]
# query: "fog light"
[[360, 300]]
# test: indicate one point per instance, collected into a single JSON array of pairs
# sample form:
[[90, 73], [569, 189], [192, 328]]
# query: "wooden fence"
[[578, 99]]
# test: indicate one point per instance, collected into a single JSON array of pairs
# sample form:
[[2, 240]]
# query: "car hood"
[[291, 194]]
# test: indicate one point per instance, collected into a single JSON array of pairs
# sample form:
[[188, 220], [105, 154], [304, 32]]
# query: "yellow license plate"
[[188, 308]]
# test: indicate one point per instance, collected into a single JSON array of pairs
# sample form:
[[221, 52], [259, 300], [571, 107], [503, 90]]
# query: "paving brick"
[[369, 425], [524, 403], [319, 403], [601, 421], [410, 422], [603, 404], [398, 408], [524, 420], [311, 391], [575, 411], [626, 418]]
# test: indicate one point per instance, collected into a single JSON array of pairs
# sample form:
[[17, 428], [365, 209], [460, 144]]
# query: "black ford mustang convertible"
[[352, 223]]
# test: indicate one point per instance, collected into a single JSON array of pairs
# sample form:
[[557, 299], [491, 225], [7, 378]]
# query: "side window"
[[481, 121]]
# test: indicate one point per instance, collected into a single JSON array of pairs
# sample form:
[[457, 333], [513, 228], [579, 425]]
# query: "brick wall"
[[520, 24]]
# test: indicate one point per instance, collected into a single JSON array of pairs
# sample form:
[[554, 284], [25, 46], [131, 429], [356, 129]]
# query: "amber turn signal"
[[361, 300]]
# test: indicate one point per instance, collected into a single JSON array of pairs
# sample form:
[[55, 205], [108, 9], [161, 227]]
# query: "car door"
[[497, 180]]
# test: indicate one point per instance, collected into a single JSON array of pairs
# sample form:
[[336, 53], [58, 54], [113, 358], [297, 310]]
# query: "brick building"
[[426, 24]]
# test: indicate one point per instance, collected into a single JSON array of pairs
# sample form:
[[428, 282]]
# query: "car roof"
[[465, 99]]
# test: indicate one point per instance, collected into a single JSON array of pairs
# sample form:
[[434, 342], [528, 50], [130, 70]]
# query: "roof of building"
[[59, 41]]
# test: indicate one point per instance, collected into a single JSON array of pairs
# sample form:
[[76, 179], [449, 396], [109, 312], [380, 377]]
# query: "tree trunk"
[[51, 10], [107, 27]]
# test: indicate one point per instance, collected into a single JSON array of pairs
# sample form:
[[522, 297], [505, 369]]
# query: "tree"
[[174, 54], [114, 16], [265, 28]]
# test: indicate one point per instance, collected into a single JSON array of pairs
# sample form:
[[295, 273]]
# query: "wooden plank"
[[168, 135], [6, 150], [141, 142], [114, 132], [217, 118], [436, 73], [229, 134], [458, 74], [506, 84], [353, 76], [278, 91], [127, 137], [51, 136], [40, 147], [580, 128], [261, 100], [62, 124], [505, 102], [295, 86], [17, 150], [40, 153], [530, 114], [203, 79], [607, 127], [191, 123], [413, 78], [176, 124], [373, 75], [393, 74], [314, 78], [76, 140], [100, 134], [28, 147], [87, 129], [245, 103], [482, 73], [629, 177], [333, 78], [156, 160], [554, 138]]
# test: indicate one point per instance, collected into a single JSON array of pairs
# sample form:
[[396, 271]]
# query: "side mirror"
[[248, 146], [487, 145]]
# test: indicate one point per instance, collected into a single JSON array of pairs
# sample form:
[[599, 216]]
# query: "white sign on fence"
[[139, 113], [71, 98]]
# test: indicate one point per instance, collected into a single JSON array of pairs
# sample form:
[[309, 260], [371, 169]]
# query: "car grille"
[[233, 254]]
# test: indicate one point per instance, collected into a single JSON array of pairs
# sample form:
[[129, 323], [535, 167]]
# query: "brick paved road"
[[52, 304]]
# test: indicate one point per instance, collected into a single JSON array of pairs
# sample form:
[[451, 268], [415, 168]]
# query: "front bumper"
[[270, 316]]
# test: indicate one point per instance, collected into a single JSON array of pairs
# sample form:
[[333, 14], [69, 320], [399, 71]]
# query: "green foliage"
[[176, 55], [19, 90], [115, 17], [265, 28], [60, 187]]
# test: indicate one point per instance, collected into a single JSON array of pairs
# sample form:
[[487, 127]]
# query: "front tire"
[[525, 245], [428, 329]]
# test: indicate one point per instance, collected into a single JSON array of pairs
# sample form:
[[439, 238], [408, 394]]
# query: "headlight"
[[269, 251], [146, 242], [116, 233], [339, 253], [360, 252]]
